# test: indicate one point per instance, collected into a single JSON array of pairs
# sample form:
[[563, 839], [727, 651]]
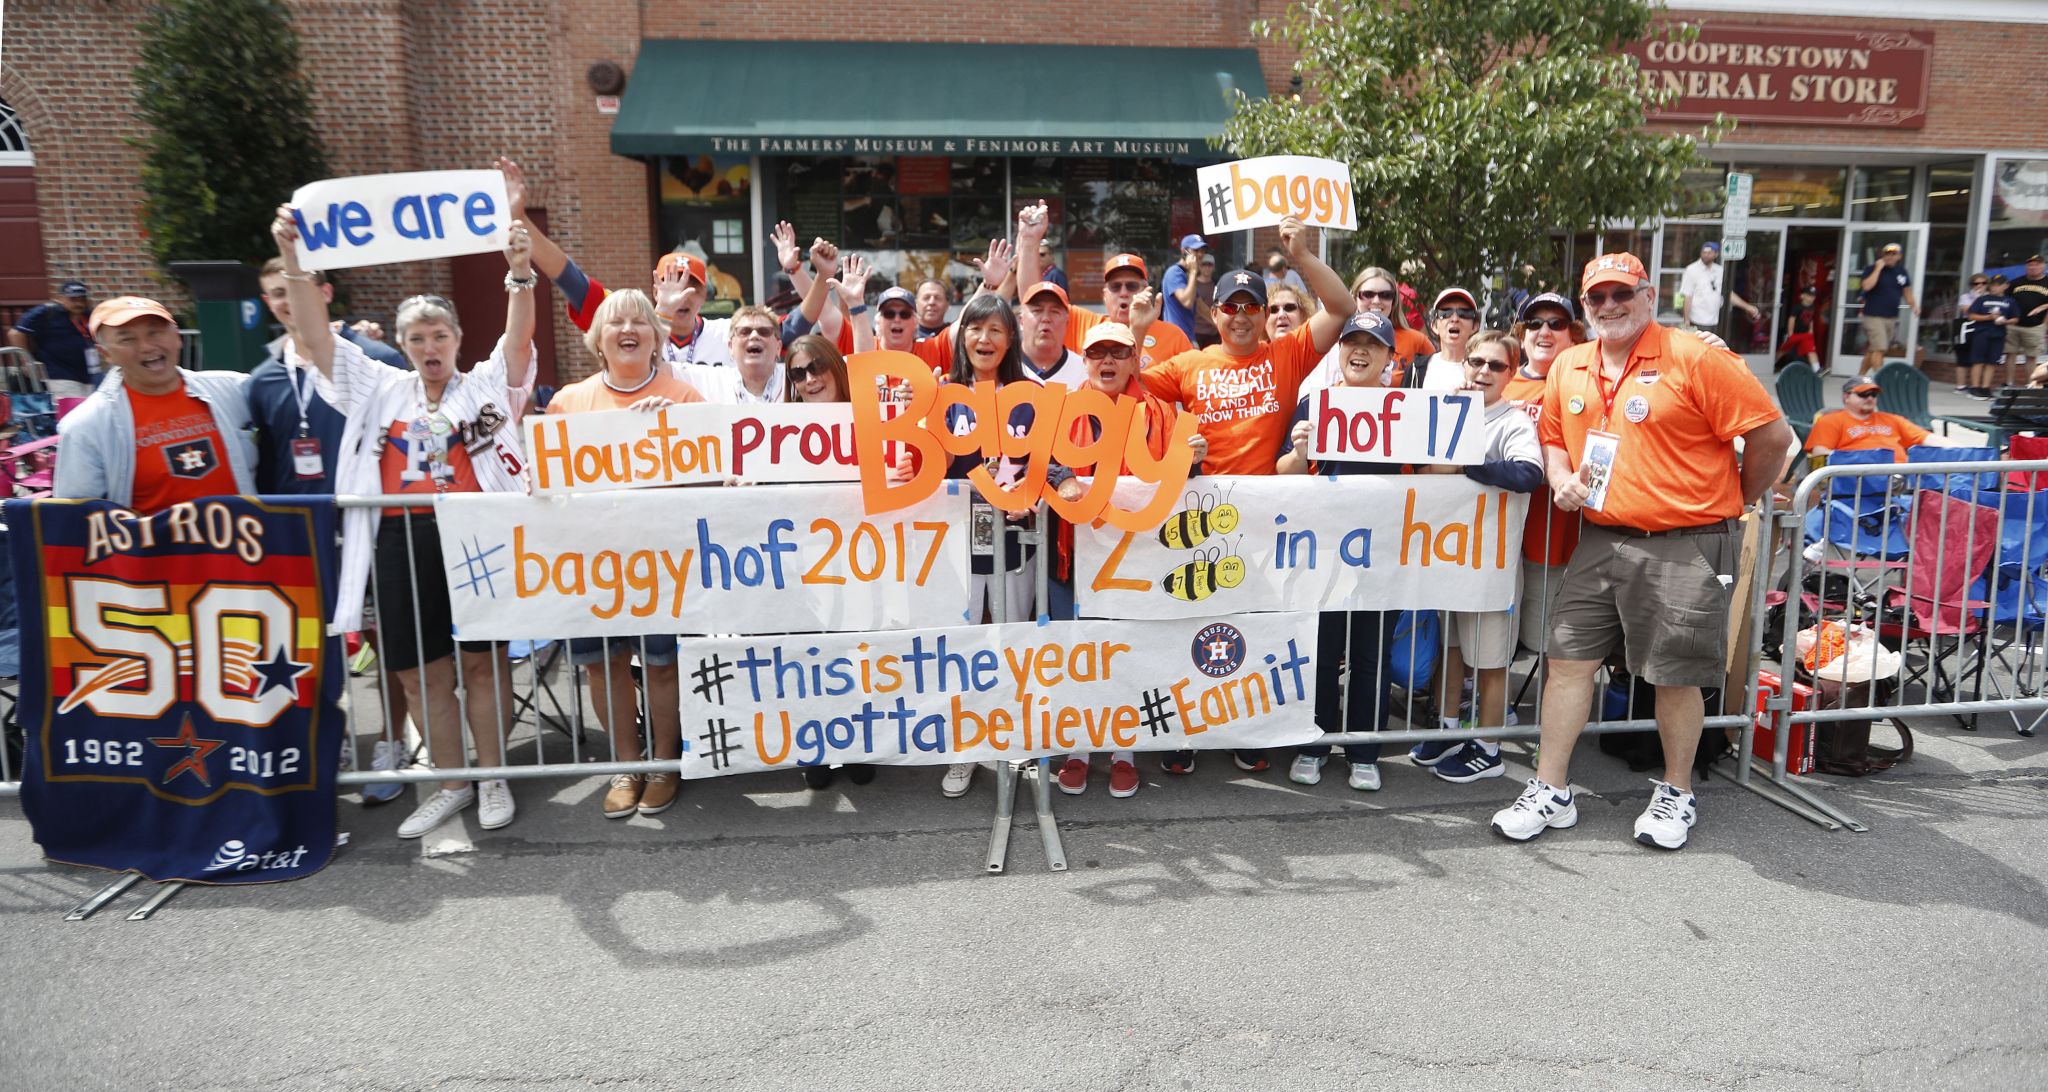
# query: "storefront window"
[[1883, 195], [1808, 192], [1703, 193], [2019, 214], [1948, 192], [703, 208]]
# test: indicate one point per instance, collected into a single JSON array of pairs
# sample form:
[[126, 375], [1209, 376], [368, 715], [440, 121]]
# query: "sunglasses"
[[1125, 286], [1285, 308], [1494, 366], [1241, 308], [1466, 313], [1863, 394], [1548, 323], [800, 372], [743, 332], [1111, 352], [1619, 295], [896, 312], [1374, 294]]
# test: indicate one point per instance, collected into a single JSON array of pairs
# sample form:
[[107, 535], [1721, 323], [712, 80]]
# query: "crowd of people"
[[1642, 577]]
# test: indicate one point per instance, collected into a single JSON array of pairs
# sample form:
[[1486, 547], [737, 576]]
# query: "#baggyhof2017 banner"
[[996, 692], [1310, 542], [177, 696], [690, 444], [760, 559]]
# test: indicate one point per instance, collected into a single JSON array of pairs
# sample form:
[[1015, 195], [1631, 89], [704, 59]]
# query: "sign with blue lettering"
[[379, 219]]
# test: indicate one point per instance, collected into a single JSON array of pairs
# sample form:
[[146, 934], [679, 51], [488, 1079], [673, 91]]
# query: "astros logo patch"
[[192, 459], [1218, 650]]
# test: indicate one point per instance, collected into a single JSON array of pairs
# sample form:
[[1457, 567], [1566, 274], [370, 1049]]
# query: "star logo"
[[194, 762], [281, 673], [1244, 278]]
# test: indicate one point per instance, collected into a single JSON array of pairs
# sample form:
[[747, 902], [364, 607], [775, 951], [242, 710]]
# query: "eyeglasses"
[[1125, 285], [1285, 308], [1466, 313], [896, 312], [1494, 366], [1619, 295], [1375, 294], [1548, 323], [1241, 308], [743, 332], [1112, 351]]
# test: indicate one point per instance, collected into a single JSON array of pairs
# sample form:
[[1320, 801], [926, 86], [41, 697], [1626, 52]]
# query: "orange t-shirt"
[[1677, 409], [425, 455], [1550, 534], [593, 393], [180, 454], [936, 350], [1838, 431], [1163, 340], [1409, 347], [1243, 403]]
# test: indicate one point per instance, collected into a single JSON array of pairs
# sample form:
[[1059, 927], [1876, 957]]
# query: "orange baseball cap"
[[693, 267], [1614, 269], [1040, 289], [122, 310], [1126, 261]]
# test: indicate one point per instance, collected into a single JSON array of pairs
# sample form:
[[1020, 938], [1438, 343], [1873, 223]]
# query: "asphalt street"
[[1218, 931]]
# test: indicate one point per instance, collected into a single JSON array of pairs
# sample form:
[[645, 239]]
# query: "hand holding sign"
[[379, 219]]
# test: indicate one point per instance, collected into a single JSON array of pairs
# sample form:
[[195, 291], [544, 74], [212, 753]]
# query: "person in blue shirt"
[[55, 333], [1885, 286], [1179, 287], [1984, 335]]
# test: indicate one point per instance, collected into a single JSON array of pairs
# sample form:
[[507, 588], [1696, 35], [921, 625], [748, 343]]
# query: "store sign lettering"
[[1784, 76], [948, 146]]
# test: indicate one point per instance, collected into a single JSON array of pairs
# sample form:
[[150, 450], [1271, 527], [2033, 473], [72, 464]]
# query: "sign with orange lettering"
[[1301, 542], [997, 692], [1256, 193], [939, 421], [1787, 75]]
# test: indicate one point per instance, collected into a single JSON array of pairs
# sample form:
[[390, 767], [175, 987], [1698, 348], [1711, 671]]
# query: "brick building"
[[902, 133]]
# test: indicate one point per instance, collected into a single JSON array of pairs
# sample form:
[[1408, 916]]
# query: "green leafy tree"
[[230, 119], [1474, 130]]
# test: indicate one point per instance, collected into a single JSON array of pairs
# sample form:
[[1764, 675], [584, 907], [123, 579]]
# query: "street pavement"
[[1219, 931]]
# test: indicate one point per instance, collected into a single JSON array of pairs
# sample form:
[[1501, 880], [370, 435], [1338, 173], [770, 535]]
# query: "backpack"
[[1645, 750], [1412, 659]]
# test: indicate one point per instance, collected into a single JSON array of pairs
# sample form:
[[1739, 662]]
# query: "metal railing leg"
[[165, 892], [105, 895], [1006, 803], [1048, 825]]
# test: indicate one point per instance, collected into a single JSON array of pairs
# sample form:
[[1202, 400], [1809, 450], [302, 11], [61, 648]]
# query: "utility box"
[[233, 325]]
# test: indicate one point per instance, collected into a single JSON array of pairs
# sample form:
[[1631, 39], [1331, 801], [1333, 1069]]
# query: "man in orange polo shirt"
[[1860, 426], [1639, 429]]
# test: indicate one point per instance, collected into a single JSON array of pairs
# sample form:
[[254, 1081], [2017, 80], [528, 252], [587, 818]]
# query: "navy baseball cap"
[[72, 288], [898, 293], [1193, 242], [1241, 282], [1547, 299], [1371, 323]]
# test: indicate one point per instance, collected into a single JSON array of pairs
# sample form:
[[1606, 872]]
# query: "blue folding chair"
[[1862, 514], [1966, 487]]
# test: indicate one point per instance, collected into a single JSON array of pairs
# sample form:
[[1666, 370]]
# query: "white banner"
[[1300, 543], [984, 693], [1374, 425], [758, 559], [1256, 193], [377, 219], [690, 444]]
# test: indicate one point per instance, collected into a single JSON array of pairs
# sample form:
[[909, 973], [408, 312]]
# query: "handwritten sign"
[[378, 219], [1256, 193], [763, 559], [1373, 425], [920, 421], [983, 693], [690, 444], [1302, 542]]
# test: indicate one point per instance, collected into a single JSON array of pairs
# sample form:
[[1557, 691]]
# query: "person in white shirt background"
[[1699, 290]]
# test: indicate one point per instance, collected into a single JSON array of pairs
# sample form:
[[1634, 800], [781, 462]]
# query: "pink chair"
[[66, 405]]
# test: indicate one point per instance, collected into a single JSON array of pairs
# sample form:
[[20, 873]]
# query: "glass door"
[[1862, 248], [1753, 281]]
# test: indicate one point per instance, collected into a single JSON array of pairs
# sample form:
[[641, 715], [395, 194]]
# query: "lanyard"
[[302, 391], [1608, 395], [690, 350]]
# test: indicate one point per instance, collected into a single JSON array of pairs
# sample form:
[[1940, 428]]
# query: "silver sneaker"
[[436, 810]]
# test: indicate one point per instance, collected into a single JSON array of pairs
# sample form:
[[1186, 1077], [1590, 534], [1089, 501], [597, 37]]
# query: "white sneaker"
[[348, 753], [958, 776], [385, 757], [1539, 808], [1365, 776], [436, 810], [1668, 819], [494, 804], [1307, 769]]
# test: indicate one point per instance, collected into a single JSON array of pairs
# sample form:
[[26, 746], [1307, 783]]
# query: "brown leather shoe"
[[659, 793], [624, 796]]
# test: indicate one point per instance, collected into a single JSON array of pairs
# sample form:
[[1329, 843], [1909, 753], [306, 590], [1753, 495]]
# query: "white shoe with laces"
[[385, 757], [1539, 808], [494, 804], [1365, 776], [958, 777], [1669, 818], [1307, 769], [436, 810]]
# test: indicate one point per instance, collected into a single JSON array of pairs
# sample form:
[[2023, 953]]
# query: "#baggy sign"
[[1256, 193], [378, 219]]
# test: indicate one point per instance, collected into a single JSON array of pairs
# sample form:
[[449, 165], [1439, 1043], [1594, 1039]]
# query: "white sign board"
[[378, 219], [986, 693], [758, 559], [1378, 425], [690, 444], [1256, 193], [1735, 218]]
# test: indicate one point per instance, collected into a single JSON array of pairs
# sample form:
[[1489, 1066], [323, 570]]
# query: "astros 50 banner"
[[982, 693], [177, 699]]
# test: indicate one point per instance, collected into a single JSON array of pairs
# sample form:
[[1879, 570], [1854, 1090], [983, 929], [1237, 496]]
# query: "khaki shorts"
[[1486, 639], [1660, 598], [1538, 603], [2019, 340], [1877, 333]]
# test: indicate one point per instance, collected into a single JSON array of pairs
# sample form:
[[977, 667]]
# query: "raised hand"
[[1144, 307], [515, 185], [1295, 238], [824, 259], [1032, 223], [786, 253], [674, 293], [519, 250], [995, 267], [285, 231], [852, 282]]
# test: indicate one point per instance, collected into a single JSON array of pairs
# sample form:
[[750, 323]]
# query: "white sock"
[[1450, 723], [1491, 748], [1122, 756]]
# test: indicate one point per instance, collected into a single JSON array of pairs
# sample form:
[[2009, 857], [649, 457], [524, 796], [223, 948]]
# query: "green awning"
[[926, 98]]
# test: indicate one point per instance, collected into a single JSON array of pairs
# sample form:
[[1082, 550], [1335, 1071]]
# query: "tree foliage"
[[230, 126], [1474, 130]]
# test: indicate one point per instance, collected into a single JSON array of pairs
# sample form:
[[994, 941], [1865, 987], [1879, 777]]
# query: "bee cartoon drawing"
[[1216, 567], [1193, 525]]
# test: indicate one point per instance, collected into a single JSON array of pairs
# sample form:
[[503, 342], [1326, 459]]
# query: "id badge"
[[984, 526], [92, 361], [306, 458], [1602, 450]]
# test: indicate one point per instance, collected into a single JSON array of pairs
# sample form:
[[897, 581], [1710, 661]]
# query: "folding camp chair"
[[1952, 541], [546, 658], [1969, 487], [1860, 529]]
